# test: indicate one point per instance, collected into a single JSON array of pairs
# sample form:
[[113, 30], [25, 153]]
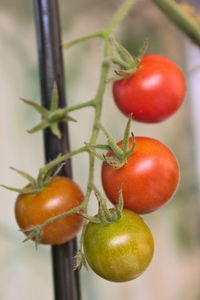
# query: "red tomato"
[[148, 179], [153, 93], [61, 195]]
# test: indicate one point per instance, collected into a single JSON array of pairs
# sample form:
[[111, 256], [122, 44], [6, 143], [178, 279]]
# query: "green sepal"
[[114, 161], [111, 142], [42, 125], [35, 233], [25, 191], [104, 214], [45, 176], [25, 175], [126, 135], [89, 218], [43, 111], [55, 130]]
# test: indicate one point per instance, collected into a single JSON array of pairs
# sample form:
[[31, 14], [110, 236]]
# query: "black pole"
[[66, 281]]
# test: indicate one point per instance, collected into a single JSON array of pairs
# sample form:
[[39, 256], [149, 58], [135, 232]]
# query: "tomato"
[[148, 179], [153, 93], [119, 251], [61, 195]]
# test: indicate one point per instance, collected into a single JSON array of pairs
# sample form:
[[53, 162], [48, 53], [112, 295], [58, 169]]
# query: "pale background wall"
[[26, 273]]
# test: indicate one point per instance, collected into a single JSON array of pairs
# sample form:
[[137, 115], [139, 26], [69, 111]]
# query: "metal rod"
[[66, 281]]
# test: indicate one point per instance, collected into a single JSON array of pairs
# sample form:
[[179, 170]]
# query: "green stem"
[[99, 102], [118, 17], [43, 171], [180, 18], [82, 39], [80, 105], [64, 214]]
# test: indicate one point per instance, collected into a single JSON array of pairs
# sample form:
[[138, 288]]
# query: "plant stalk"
[[180, 18]]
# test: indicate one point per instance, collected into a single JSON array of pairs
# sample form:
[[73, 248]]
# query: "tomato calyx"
[[121, 154], [52, 117], [127, 63], [80, 260], [45, 176], [34, 233], [103, 217], [106, 215]]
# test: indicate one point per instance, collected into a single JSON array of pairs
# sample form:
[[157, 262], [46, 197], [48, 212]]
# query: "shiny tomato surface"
[[148, 179], [119, 251], [153, 93], [61, 195]]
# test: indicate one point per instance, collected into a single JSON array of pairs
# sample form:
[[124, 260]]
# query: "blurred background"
[[26, 273]]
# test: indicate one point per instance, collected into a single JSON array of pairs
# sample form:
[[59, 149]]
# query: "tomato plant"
[[62, 194], [141, 173], [121, 250], [153, 93], [148, 179]]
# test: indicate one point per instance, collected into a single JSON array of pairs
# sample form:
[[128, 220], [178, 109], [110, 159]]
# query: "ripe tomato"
[[153, 93], [119, 251], [148, 179], [61, 195]]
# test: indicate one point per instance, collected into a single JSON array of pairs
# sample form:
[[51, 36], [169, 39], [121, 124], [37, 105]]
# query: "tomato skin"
[[153, 93], [61, 195], [119, 251], [148, 179]]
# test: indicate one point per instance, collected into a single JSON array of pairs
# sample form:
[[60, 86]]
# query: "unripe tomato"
[[148, 179], [121, 250], [61, 195], [153, 93]]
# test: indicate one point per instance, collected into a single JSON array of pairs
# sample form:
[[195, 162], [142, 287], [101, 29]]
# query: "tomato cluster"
[[118, 248], [122, 250]]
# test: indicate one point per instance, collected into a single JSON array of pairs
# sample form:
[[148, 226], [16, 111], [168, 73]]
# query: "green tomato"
[[121, 250]]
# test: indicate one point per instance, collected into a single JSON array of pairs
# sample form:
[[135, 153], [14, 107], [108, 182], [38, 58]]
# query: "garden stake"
[[66, 281]]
